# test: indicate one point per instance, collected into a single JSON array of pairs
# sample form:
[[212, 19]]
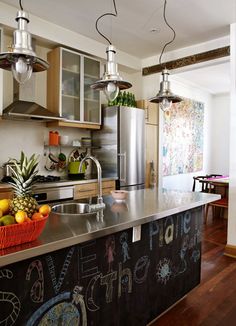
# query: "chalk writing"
[[89, 299], [169, 231], [78, 299], [37, 290], [141, 269], [107, 280], [153, 230], [10, 298], [87, 260], [57, 284], [125, 246]]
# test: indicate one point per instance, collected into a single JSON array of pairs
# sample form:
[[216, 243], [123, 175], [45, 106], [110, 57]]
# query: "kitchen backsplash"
[[30, 137]]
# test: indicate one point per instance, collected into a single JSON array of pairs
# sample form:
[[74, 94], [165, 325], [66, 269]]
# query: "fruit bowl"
[[119, 195], [15, 234]]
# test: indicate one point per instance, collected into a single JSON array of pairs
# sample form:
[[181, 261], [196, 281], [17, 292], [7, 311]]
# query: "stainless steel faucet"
[[99, 172]]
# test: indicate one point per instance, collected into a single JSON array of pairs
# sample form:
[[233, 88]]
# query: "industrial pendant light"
[[165, 97], [22, 60], [111, 82]]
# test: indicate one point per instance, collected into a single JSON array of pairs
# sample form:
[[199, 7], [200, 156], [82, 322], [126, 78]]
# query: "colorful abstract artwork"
[[183, 138]]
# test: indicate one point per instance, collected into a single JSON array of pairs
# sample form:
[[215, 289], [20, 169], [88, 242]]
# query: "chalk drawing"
[[89, 295], [64, 313], [107, 280], [187, 219], [110, 251], [141, 269], [124, 280], [37, 290], [51, 267], [88, 259], [33, 321], [196, 255], [124, 246], [9, 298], [164, 270]]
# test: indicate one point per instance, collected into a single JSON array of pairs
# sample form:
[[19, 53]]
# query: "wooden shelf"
[[71, 71], [72, 124], [71, 96]]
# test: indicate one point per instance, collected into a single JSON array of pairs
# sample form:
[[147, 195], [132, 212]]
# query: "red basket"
[[15, 234]]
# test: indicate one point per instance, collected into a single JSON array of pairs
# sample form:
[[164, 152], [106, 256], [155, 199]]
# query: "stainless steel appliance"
[[121, 146]]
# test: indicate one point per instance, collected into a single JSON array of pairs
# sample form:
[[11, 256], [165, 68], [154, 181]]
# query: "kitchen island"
[[122, 266]]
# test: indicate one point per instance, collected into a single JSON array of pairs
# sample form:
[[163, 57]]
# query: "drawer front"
[[85, 190], [91, 189]]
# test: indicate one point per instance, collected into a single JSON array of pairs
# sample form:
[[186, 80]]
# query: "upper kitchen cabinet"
[[151, 111], [68, 88]]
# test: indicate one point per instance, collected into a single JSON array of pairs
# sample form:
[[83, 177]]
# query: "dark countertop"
[[141, 206]]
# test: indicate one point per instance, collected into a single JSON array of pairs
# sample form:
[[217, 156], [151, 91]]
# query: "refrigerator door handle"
[[124, 165]]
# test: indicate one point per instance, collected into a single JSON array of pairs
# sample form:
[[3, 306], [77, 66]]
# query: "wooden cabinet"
[[151, 111], [6, 194], [86, 190], [68, 88], [152, 140]]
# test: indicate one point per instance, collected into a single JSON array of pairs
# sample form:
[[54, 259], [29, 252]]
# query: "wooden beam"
[[189, 60]]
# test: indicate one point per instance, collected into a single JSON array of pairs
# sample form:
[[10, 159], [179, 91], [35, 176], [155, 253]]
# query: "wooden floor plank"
[[213, 302]]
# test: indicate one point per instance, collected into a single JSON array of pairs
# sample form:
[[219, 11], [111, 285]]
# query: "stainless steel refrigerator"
[[121, 146]]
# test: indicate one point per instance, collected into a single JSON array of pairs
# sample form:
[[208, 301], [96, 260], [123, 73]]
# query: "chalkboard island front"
[[89, 270]]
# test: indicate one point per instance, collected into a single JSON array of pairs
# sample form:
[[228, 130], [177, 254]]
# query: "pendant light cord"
[[168, 43], [106, 14], [21, 5]]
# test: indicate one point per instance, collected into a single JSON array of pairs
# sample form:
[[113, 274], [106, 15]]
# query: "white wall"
[[178, 86], [220, 120], [232, 186], [30, 137]]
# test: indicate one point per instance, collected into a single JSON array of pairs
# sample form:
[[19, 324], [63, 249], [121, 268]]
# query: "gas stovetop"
[[37, 178]]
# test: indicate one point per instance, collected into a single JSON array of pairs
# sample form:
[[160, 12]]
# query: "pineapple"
[[23, 175]]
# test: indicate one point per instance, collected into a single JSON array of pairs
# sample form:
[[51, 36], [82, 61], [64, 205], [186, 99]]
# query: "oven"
[[53, 194], [51, 189]]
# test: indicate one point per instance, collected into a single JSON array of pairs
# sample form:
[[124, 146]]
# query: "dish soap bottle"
[[152, 175]]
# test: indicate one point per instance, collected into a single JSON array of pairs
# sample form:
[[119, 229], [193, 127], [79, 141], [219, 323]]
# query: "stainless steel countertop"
[[140, 207]]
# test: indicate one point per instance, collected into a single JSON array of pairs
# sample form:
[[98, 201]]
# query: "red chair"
[[222, 203]]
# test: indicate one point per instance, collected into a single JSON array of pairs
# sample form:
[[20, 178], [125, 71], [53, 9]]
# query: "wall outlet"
[[136, 233]]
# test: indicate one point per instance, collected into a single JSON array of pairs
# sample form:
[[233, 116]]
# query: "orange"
[[5, 205], [27, 219], [45, 209], [36, 216], [20, 217]]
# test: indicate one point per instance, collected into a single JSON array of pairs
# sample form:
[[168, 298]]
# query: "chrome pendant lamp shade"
[[165, 96], [22, 60], [111, 82]]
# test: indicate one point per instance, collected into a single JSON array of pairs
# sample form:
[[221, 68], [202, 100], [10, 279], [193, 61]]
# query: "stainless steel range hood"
[[24, 106], [25, 110]]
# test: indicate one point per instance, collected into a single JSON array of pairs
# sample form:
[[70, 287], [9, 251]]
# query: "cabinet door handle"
[[147, 114], [124, 167]]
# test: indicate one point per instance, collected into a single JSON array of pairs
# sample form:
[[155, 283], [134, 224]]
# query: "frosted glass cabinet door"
[[70, 85], [91, 96]]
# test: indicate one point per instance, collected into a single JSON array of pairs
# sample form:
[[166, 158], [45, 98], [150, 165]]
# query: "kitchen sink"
[[76, 208]]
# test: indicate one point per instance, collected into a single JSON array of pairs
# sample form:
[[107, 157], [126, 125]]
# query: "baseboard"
[[230, 251]]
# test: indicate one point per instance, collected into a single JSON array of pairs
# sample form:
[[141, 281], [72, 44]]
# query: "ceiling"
[[195, 21]]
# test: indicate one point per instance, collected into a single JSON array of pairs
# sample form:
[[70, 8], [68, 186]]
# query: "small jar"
[[53, 138]]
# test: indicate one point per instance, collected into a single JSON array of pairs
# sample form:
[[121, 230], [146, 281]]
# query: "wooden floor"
[[213, 302]]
